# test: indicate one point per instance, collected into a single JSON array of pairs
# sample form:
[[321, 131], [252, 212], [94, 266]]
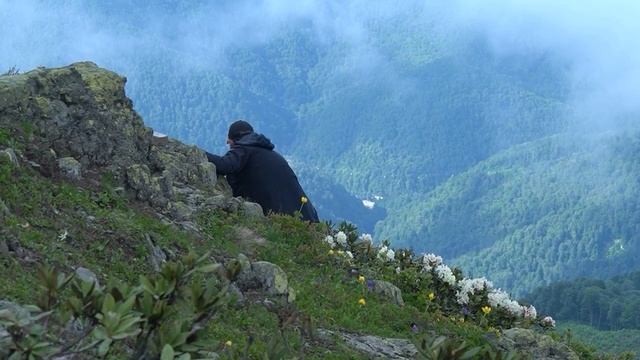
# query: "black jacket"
[[259, 174]]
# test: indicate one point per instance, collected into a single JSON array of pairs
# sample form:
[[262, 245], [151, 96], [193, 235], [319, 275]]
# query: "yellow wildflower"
[[304, 200], [330, 252], [361, 279], [431, 296], [486, 310], [228, 343], [362, 302]]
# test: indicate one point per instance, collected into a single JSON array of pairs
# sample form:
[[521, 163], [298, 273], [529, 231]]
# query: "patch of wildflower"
[[386, 254], [486, 310], [430, 261], [361, 279], [330, 240], [362, 302], [431, 296], [445, 274], [470, 287], [548, 322], [228, 343], [529, 312], [499, 298], [366, 238], [341, 238]]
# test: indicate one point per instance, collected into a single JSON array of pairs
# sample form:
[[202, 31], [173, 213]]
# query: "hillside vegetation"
[[123, 219]]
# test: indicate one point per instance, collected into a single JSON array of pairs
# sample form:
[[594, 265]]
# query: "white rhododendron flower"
[[341, 238], [366, 238], [349, 254], [529, 312], [329, 240], [499, 298], [430, 261], [548, 321], [445, 274], [391, 255], [468, 287]]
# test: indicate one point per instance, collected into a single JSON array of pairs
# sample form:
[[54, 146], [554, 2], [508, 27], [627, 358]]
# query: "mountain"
[[556, 208], [166, 264]]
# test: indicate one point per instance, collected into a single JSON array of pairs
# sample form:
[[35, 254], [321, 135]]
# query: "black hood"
[[257, 140]]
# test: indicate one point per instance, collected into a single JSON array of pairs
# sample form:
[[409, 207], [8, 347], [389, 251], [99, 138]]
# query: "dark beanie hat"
[[239, 129]]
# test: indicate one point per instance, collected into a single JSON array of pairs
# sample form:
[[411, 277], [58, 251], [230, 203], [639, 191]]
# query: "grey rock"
[[14, 308], [252, 210], [70, 168], [375, 347], [87, 275], [10, 155], [215, 202], [388, 291], [265, 277], [180, 211], [534, 345]]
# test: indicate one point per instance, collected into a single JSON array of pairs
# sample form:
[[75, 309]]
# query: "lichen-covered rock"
[[81, 112], [70, 168], [157, 256], [386, 290], [375, 347], [252, 210], [534, 345], [264, 277]]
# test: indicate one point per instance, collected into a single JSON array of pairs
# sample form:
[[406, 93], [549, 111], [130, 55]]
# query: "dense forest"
[[610, 304]]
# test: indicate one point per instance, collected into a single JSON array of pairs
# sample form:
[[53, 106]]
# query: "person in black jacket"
[[259, 174]]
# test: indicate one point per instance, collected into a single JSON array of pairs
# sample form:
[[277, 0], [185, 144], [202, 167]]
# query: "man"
[[259, 174]]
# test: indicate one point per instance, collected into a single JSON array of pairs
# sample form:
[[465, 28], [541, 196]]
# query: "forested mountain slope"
[[556, 208]]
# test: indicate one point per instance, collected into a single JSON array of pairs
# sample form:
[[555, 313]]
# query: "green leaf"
[[104, 347], [209, 268], [109, 304], [167, 353]]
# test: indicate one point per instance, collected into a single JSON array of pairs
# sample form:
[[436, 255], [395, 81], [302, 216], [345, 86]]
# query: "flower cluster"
[[548, 322], [499, 298], [430, 261], [445, 274], [386, 254], [529, 312], [469, 287]]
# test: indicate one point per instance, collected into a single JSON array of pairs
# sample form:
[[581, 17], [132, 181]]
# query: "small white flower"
[[499, 298], [329, 240], [398, 270], [366, 238], [548, 321], [349, 254], [341, 238], [430, 261], [445, 274], [391, 255], [530, 312]]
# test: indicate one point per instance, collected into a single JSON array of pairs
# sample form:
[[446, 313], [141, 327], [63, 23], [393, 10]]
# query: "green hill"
[[557, 208], [155, 244]]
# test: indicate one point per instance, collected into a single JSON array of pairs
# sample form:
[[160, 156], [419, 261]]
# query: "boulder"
[[264, 277], [375, 347], [387, 291], [252, 210], [70, 168], [535, 345]]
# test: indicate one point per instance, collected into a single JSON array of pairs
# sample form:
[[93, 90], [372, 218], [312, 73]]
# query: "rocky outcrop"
[[535, 345], [83, 125], [375, 347], [387, 291]]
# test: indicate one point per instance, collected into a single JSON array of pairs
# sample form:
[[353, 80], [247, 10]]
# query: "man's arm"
[[232, 162]]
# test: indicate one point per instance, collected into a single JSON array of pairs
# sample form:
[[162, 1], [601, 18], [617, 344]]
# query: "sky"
[[597, 41]]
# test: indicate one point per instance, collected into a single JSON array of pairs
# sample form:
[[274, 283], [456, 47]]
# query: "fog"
[[597, 42]]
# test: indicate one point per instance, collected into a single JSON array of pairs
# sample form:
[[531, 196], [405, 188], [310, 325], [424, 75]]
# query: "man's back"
[[259, 174]]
